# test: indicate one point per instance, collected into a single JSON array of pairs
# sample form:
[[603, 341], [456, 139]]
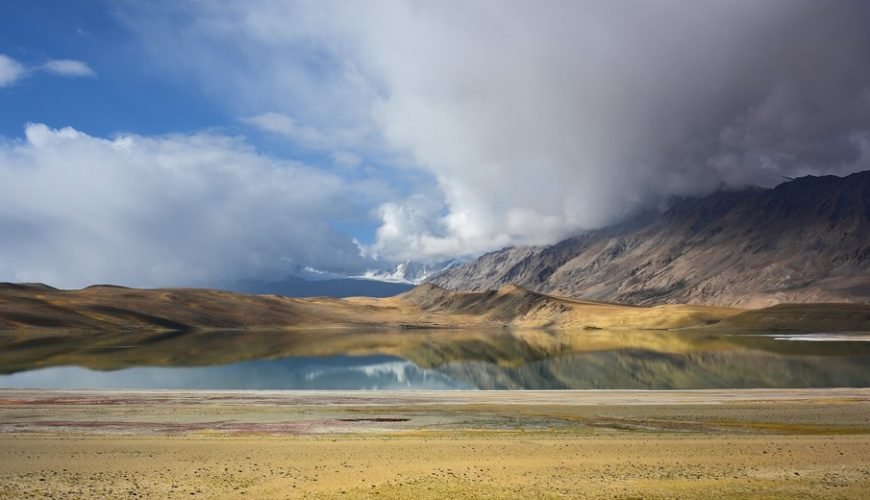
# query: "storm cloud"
[[540, 120]]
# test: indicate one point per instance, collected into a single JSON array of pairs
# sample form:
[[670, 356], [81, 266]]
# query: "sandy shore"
[[560, 444]]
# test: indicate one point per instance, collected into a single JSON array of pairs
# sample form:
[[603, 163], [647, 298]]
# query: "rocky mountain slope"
[[806, 240]]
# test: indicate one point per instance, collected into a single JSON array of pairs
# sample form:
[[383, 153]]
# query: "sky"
[[198, 142]]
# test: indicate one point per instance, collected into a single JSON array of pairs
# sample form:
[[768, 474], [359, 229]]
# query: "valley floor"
[[475, 444]]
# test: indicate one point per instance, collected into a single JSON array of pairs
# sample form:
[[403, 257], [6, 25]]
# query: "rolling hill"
[[119, 309]]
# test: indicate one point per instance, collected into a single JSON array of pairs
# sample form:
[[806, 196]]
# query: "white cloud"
[[338, 142], [281, 124], [346, 159], [68, 67], [278, 123], [539, 120], [146, 211], [10, 70]]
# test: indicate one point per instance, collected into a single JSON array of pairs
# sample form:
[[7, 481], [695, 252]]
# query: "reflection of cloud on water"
[[390, 375], [397, 369], [340, 372]]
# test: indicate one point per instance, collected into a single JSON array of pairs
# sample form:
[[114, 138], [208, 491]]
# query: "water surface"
[[432, 359]]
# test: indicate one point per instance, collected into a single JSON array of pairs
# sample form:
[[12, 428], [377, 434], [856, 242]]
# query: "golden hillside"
[[34, 306]]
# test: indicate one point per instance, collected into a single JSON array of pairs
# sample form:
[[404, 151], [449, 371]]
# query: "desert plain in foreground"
[[469, 444]]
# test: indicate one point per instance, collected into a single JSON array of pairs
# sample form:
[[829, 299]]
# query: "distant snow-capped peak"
[[410, 272]]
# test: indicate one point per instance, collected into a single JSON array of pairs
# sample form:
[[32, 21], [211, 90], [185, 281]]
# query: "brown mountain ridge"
[[806, 240], [31, 308]]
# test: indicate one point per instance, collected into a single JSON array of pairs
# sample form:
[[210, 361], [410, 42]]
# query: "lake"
[[431, 359]]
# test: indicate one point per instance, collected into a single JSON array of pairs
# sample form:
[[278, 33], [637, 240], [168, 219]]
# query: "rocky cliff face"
[[806, 240]]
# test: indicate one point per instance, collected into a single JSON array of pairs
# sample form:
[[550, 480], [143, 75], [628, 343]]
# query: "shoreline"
[[797, 411]]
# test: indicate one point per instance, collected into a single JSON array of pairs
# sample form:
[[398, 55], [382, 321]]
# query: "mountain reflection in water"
[[429, 359], [339, 372]]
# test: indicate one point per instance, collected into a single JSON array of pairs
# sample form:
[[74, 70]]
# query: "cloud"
[[303, 135], [68, 67], [346, 159], [153, 211], [10, 71], [278, 123], [338, 142], [409, 225], [538, 121]]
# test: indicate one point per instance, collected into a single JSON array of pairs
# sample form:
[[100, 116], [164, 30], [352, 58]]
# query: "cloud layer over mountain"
[[539, 120]]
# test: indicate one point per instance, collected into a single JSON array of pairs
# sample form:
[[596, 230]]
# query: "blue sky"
[[125, 95], [169, 142]]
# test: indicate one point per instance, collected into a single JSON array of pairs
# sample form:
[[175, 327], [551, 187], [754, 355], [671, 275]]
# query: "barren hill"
[[807, 240], [118, 309]]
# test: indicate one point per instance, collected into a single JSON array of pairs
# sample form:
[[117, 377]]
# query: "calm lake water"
[[430, 359]]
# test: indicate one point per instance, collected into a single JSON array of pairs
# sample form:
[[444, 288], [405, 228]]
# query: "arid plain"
[[469, 444]]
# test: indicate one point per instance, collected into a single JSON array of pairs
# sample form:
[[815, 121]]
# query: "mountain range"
[[805, 240], [309, 282], [410, 272], [294, 286]]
